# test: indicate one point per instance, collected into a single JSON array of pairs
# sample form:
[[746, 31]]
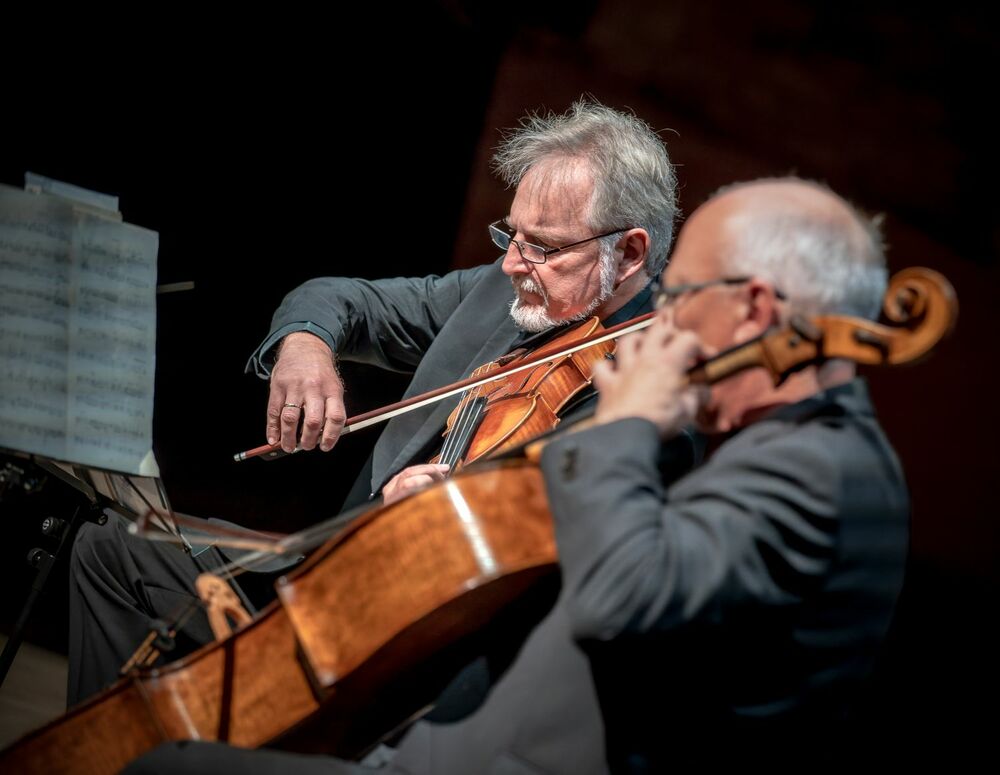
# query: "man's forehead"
[[555, 190], [696, 253]]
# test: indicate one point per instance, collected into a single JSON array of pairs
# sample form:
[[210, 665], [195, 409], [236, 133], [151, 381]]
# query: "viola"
[[508, 366], [523, 403]]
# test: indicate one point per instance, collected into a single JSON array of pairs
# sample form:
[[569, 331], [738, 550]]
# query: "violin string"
[[468, 430], [449, 440], [462, 435], [452, 450], [465, 431], [449, 443]]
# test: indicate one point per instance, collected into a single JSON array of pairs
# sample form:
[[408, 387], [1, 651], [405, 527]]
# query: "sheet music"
[[104, 203], [77, 333]]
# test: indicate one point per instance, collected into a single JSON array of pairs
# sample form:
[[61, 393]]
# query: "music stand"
[[98, 492]]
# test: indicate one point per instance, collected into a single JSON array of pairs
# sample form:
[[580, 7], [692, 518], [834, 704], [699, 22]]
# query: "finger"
[[312, 418], [603, 375], [627, 349], [291, 411], [685, 348], [276, 397], [436, 470], [413, 482], [663, 329], [666, 315], [334, 418]]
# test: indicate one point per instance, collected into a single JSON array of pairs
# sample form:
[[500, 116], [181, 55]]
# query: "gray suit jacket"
[[438, 328], [731, 610]]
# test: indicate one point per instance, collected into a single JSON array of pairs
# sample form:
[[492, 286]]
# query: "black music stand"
[[97, 492]]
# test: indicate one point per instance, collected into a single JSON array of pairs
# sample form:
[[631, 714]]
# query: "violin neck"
[[463, 431]]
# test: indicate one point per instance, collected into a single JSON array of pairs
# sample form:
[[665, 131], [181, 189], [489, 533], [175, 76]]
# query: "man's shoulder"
[[820, 443]]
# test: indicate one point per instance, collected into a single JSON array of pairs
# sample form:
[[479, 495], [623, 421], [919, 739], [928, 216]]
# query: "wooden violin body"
[[517, 407]]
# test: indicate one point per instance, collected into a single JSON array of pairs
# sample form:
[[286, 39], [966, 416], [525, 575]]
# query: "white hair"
[[825, 263], [634, 181]]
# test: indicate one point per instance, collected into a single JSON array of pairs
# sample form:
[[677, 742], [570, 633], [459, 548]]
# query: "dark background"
[[267, 152]]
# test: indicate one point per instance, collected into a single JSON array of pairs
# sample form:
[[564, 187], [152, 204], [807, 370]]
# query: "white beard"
[[536, 317]]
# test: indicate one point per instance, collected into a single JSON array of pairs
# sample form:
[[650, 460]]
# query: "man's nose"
[[513, 263]]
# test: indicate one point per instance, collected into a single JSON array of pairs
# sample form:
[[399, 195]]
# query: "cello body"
[[363, 635]]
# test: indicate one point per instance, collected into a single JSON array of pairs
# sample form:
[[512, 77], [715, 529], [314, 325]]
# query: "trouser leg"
[[119, 584]]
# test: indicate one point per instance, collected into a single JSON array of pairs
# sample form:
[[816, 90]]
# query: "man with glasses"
[[590, 225], [755, 591], [730, 614]]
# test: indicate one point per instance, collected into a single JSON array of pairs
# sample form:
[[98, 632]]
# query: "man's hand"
[[304, 381], [411, 478], [647, 378]]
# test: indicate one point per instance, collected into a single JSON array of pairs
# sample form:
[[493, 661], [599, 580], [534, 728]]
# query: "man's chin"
[[531, 317]]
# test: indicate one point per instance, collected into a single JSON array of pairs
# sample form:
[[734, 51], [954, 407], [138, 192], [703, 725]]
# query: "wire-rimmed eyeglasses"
[[535, 254], [667, 294]]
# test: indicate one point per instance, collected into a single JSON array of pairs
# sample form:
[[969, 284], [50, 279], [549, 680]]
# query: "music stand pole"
[[91, 510]]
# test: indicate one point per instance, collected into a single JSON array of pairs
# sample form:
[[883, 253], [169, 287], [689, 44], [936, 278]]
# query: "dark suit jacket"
[[733, 610]]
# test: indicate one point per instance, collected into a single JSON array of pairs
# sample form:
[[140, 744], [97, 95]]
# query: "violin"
[[340, 657], [523, 403]]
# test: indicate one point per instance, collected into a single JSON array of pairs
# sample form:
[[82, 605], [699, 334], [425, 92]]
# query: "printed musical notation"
[[77, 330]]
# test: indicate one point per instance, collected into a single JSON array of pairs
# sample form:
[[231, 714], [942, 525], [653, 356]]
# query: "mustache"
[[528, 285]]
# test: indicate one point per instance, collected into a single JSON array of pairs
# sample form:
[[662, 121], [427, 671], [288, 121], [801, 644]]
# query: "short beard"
[[535, 317]]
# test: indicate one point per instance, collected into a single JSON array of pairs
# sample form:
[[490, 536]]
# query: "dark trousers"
[[119, 585]]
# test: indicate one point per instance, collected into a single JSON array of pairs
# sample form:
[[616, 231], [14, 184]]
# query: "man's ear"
[[634, 245], [758, 310]]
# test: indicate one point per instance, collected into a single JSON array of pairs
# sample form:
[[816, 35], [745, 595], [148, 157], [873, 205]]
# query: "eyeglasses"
[[502, 237], [664, 295]]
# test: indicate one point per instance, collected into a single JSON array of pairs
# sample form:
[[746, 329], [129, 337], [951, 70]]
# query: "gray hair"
[[823, 263], [634, 181]]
